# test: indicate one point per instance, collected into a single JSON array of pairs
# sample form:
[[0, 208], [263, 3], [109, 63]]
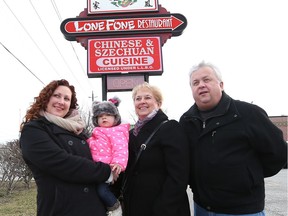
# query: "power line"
[[22, 25], [78, 59], [32, 39], [56, 10], [22, 63], [66, 63], [42, 52], [60, 19]]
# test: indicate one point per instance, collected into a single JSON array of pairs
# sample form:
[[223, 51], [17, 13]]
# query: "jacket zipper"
[[204, 124]]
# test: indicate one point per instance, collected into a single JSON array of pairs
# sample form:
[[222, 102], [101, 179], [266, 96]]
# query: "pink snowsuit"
[[110, 145]]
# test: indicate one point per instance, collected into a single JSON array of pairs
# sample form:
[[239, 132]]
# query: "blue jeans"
[[198, 211], [107, 197]]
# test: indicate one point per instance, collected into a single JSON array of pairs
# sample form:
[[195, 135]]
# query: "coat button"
[[86, 190], [83, 142], [70, 142]]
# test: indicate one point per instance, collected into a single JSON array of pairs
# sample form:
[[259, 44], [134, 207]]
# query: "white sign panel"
[[121, 6]]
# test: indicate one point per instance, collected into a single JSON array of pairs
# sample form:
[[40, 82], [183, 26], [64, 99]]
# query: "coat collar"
[[154, 122], [221, 108]]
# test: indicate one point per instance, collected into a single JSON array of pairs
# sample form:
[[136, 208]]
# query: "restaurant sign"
[[124, 55]]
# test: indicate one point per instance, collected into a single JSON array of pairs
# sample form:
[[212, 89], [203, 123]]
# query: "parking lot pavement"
[[276, 201], [276, 194]]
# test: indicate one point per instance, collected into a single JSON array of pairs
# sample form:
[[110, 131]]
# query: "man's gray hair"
[[205, 64]]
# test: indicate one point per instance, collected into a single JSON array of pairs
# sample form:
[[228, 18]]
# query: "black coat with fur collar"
[[63, 169]]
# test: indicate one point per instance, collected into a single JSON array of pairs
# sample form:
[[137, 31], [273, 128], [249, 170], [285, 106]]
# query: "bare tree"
[[13, 167], [86, 116]]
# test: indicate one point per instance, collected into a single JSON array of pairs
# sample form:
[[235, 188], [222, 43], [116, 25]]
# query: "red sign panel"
[[124, 55], [131, 24], [160, 23]]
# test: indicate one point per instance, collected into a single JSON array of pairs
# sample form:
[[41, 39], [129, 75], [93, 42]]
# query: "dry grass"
[[22, 202]]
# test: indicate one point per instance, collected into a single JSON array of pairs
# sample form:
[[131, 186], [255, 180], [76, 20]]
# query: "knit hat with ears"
[[105, 107]]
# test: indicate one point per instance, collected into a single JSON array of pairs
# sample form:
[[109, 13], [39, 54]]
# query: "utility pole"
[[92, 97]]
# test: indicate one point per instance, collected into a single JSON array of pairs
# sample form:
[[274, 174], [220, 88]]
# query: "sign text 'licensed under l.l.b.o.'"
[[124, 55]]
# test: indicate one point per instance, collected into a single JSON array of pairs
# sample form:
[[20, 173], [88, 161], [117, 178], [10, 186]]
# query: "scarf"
[[140, 123], [73, 122]]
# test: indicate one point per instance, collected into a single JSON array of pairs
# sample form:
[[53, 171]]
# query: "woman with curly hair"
[[55, 149]]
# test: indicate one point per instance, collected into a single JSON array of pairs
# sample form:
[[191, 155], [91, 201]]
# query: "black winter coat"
[[158, 184], [63, 169], [231, 154]]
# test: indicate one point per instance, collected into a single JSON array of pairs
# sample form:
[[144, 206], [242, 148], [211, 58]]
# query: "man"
[[234, 146]]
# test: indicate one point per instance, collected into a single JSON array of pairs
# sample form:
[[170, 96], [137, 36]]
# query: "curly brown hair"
[[40, 102]]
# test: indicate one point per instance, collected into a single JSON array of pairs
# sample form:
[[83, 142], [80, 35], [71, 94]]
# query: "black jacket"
[[231, 154], [159, 182], [63, 169]]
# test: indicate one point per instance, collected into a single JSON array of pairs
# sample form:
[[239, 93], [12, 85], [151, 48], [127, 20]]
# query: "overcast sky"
[[246, 39]]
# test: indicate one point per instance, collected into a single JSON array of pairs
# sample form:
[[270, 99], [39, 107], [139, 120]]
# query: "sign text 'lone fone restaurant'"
[[161, 23]]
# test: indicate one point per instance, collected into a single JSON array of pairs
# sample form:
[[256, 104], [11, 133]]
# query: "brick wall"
[[281, 122]]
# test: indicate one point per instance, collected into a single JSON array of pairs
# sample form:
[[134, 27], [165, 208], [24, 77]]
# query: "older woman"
[[157, 185], [55, 149]]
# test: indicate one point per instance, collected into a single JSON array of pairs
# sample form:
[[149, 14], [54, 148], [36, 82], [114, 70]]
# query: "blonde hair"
[[154, 90]]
